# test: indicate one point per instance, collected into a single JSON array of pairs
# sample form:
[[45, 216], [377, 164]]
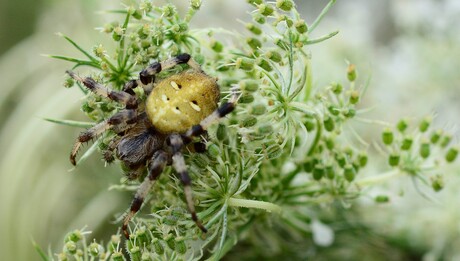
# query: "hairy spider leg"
[[124, 116], [147, 75], [108, 152], [219, 113], [159, 160], [127, 99], [179, 165]]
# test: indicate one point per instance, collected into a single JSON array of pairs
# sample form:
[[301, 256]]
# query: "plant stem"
[[378, 179], [248, 203]]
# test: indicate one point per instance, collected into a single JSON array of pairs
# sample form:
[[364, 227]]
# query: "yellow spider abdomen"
[[181, 101]]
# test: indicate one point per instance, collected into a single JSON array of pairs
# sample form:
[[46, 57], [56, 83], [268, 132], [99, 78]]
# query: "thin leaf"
[[90, 151], [92, 58], [41, 252], [75, 60], [79, 124]]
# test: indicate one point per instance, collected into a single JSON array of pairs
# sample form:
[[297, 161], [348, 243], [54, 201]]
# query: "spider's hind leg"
[[159, 160], [178, 162]]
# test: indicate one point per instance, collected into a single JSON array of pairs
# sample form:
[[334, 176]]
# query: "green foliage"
[[271, 164]]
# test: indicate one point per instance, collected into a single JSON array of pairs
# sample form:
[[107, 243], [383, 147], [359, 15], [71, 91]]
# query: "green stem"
[[378, 179], [248, 203], [320, 16]]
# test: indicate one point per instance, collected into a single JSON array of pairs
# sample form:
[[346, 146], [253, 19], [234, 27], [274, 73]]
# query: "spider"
[[152, 134]]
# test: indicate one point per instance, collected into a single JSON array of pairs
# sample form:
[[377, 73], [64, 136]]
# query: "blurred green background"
[[410, 50]]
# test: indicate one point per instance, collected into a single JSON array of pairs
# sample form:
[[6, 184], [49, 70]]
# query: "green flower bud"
[[168, 10], [451, 154], [301, 26], [157, 246], [249, 86], [137, 14], [318, 171], [214, 150], [274, 151], [146, 257], [329, 123], [402, 125], [255, 2], [349, 172], [333, 110], [362, 159], [424, 149], [62, 257], [445, 140], [330, 143], [108, 28], [382, 199], [264, 64], [254, 43], [254, 29], [117, 256], [258, 18], [245, 64], [195, 4], [117, 33], [135, 253], [329, 171], [265, 129], [246, 98], [221, 132], [308, 165], [274, 56], [436, 136], [393, 159], [99, 51], [341, 159], [407, 143], [349, 112], [249, 121], [169, 239], [170, 220], [336, 88], [69, 82], [217, 46], [146, 6], [181, 247], [258, 109], [95, 249], [281, 44], [354, 97], [285, 5], [266, 9], [74, 236], [387, 136], [351, 72], [309, 124], [437, 183], [70, 247], [425, 124]]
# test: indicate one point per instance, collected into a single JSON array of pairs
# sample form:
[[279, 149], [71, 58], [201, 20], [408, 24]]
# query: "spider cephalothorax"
[[152, 135]]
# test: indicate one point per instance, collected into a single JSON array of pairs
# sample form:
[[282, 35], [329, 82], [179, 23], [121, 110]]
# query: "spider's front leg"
[[121, 117], [159, 160], [178, 162], [147, 75], [127, 99]]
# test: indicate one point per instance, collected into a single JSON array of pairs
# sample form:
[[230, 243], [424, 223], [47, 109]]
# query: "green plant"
[[274, 163]]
